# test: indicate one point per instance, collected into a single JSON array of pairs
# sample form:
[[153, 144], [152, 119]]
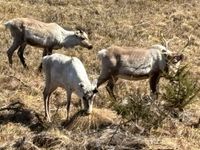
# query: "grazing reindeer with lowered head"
[[136, 64], [45, 35], [69, 74]]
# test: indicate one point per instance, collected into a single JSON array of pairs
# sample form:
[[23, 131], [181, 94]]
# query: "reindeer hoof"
[[26, 67]]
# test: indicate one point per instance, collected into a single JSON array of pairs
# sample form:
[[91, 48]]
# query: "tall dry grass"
[[112, 22]]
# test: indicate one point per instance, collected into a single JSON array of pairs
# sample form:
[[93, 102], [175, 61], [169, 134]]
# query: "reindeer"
[[136, 64], [69, 74], [45, 35]]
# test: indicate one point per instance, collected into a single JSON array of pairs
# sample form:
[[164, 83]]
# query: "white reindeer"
[[45, 35], [68, 73], [135, 64]]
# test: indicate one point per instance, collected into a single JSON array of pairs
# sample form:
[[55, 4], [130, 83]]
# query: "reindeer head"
[[88, 96], [75, 38], [173, 59], [83, 39]]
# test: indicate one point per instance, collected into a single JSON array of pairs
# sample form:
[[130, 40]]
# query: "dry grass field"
[[108, 22]]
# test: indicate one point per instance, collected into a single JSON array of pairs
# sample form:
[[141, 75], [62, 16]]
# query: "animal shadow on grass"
[[17, 112]]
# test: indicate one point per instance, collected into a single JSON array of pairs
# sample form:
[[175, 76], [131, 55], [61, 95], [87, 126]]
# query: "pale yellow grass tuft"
[[97, 119]]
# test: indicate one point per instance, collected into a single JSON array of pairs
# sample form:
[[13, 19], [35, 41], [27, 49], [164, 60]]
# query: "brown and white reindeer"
[[136, 64], [45, 35]]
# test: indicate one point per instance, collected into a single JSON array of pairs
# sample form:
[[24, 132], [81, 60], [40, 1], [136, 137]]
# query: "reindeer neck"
[[67, 33], [70, 40]]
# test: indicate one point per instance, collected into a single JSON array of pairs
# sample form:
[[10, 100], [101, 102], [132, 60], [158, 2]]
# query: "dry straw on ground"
[[98, 119], [113, 22]]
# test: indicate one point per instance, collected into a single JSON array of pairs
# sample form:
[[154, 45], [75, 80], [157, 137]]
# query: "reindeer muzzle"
[[90, 47], [176, 58]]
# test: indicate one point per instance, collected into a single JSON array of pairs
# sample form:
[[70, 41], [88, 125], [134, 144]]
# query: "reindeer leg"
[[81, 103], [46, 96], [104, 76], [154, 79], [20, 53], [69, 93], [110, 86], [48, 90], [46, 51], [13, 47]]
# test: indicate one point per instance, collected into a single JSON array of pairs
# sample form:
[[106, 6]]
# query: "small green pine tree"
[[181, 90]]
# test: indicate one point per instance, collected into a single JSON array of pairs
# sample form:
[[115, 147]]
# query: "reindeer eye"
[[82, 38]]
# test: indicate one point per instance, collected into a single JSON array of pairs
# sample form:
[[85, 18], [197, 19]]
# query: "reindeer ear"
[[77, 33], [79, 28], [163, 51], [81, 31]]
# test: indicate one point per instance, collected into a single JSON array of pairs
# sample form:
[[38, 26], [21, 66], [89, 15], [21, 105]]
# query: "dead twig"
[[119, 125]]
